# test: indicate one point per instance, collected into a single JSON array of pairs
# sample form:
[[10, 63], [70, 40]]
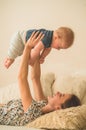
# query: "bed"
[[70, 118]]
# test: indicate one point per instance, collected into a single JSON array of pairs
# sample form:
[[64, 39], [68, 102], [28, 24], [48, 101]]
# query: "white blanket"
[[3, 127]]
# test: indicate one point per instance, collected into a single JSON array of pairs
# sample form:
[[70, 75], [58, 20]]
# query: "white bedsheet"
[[4, 127]]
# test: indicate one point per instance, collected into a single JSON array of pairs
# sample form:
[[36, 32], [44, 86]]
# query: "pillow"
[[9, 92], [71, 84], [70, 118], [47, 79]]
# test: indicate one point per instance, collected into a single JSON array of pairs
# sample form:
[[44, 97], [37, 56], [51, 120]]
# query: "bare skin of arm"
[[35, 76], [44, 53], [39, 50], [35, 52], [23, 71], [22, 79]]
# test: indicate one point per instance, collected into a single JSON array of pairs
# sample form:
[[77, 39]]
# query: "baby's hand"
[[43, 55], [41, 60], [8, 62]]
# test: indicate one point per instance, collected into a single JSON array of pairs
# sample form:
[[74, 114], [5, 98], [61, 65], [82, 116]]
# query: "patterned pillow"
[[70, 118]]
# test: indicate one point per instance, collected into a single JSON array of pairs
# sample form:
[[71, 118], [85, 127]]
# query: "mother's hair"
[[71, 102]]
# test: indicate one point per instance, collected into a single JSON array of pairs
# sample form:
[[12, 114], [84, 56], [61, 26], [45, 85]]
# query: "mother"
[[26, 109]]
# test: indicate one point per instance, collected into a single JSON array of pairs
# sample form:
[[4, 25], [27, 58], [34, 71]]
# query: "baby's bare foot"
[[8, 62]]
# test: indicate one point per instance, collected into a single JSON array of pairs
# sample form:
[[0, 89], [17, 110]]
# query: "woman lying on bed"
[[26, 109]]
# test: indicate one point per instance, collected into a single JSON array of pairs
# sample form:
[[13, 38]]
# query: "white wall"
[[49, 14]]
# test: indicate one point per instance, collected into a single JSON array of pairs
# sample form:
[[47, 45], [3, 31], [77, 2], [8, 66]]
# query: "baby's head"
[[65, 37]]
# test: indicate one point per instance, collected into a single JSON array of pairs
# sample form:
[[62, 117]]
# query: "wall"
[[50, 14]]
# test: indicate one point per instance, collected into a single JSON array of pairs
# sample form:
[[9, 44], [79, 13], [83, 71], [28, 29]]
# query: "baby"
[[62, 38]]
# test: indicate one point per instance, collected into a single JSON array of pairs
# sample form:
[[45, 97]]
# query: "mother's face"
[[58, 99]]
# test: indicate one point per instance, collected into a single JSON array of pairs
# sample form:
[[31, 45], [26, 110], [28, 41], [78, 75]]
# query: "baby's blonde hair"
[[67, 35]]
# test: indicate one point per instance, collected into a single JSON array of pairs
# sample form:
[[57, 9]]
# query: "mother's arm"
[[23, 71], [35, 76]]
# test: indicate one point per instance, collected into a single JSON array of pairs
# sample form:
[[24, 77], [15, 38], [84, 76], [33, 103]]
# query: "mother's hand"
[[34, 39]]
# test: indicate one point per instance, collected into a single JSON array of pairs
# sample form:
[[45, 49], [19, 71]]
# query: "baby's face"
[[60, 42]]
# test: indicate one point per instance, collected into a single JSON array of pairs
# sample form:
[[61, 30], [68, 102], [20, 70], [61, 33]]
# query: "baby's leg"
[[8, 62]]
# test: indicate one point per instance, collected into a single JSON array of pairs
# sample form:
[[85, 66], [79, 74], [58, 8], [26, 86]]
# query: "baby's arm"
[[35, 52], [44, 53]]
